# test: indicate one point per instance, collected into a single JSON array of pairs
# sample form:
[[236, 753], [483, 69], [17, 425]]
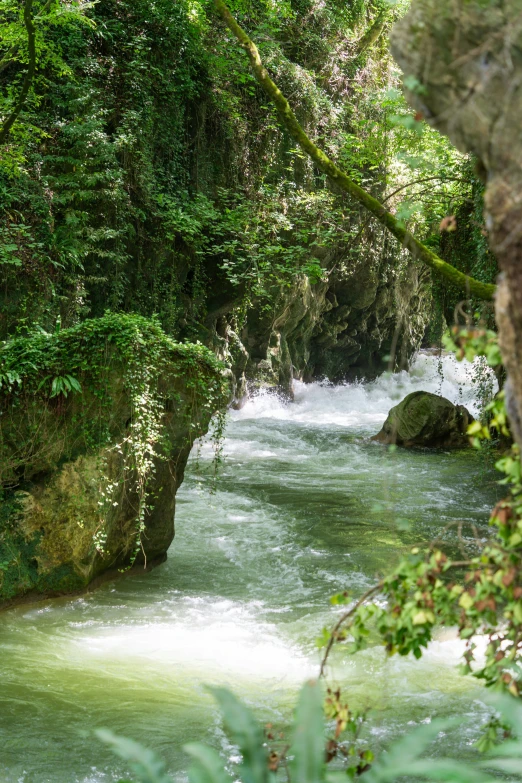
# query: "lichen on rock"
[[426, 420], [89, 474]]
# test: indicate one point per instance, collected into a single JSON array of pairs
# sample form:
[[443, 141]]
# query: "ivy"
[[78, 378], [110, 201]]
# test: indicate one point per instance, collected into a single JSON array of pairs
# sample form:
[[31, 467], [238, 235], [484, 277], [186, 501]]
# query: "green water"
[[306, 506]]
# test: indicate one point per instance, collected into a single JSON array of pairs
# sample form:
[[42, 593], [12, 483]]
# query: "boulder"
[[426, 420], [463, 62], [96, 426]]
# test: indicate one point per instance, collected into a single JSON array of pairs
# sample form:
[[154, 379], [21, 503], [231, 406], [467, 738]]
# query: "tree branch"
[[29, 76], [419, 251], [373, 34], [8, 58], [346, 616], [419, 182]]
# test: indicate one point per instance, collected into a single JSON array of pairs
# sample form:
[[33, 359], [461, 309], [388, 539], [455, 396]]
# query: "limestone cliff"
[[96, 425]]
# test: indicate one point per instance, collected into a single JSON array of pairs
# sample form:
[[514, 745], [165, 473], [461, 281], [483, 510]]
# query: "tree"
[[25, 41], [468, 285], [29, 76], [466, 59]]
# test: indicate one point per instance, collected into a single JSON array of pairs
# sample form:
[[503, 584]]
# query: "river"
[[306, 505]]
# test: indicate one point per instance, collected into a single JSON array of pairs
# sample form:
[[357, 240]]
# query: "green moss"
[[99, 355], [87, 469], [426, 420], [18, 565]]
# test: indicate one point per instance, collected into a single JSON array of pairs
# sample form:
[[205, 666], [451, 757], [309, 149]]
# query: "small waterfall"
[[364, 406]]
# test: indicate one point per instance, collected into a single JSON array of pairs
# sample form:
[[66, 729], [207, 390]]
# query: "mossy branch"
[[468, 285], [373, 34], [29, 76]]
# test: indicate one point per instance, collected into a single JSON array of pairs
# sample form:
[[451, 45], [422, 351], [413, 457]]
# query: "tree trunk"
[[466, 56]]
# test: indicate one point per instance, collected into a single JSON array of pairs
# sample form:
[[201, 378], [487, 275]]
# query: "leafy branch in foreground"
[[480, 594], [308, 752], [10, 55], [27, 43], [469, 285]]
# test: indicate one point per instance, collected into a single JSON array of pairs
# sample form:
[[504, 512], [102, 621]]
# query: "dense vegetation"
[[164, 242], [147, 171]]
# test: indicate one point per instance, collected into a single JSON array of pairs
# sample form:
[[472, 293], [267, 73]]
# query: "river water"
[[306, 505]]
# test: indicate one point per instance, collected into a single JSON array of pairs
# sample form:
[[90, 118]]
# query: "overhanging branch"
[[468, 285], [373, 34]]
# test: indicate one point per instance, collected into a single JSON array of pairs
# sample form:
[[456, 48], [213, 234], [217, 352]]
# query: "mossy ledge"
[[96, 425]]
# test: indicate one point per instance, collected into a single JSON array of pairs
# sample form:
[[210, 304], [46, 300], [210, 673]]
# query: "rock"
[[340, 328], [427, 420], [71, 487], [463, 59]]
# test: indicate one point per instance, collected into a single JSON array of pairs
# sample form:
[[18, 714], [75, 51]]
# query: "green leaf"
[[340, 598], [144, 763], [43, 382], [74, 384], [445, 770], [511, 711], [403, 753], [308, 747], [207, 766], [246, 733], [508, 766], [324, 638], [413, 85]]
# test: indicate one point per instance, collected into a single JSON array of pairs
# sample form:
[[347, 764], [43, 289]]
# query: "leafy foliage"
[[426, 589], [110, 201], [405, 760]]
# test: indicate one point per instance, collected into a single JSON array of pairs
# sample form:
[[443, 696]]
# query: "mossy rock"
[[426, 420], [72, 487]]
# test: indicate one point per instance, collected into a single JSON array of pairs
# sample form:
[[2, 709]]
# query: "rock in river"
[[425, 419]]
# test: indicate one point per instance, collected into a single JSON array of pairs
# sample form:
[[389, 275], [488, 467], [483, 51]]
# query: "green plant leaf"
[[507, 766], [144, 763], [399, 759], [47, 377], [246, 733], [445, 770], [207, 766], [308, 747], [74, 383]]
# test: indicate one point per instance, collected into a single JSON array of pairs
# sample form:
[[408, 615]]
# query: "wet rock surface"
[[426, 420]]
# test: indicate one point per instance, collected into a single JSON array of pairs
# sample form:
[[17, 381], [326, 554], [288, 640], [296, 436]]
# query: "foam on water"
[[210, 641], [305, 506], [360, 405]]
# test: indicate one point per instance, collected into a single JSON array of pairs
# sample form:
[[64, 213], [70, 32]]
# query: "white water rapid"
[[306, 505]]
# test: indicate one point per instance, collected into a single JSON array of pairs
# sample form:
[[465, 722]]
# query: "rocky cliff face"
[[466, 57], [340, 329], [96, 425]]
